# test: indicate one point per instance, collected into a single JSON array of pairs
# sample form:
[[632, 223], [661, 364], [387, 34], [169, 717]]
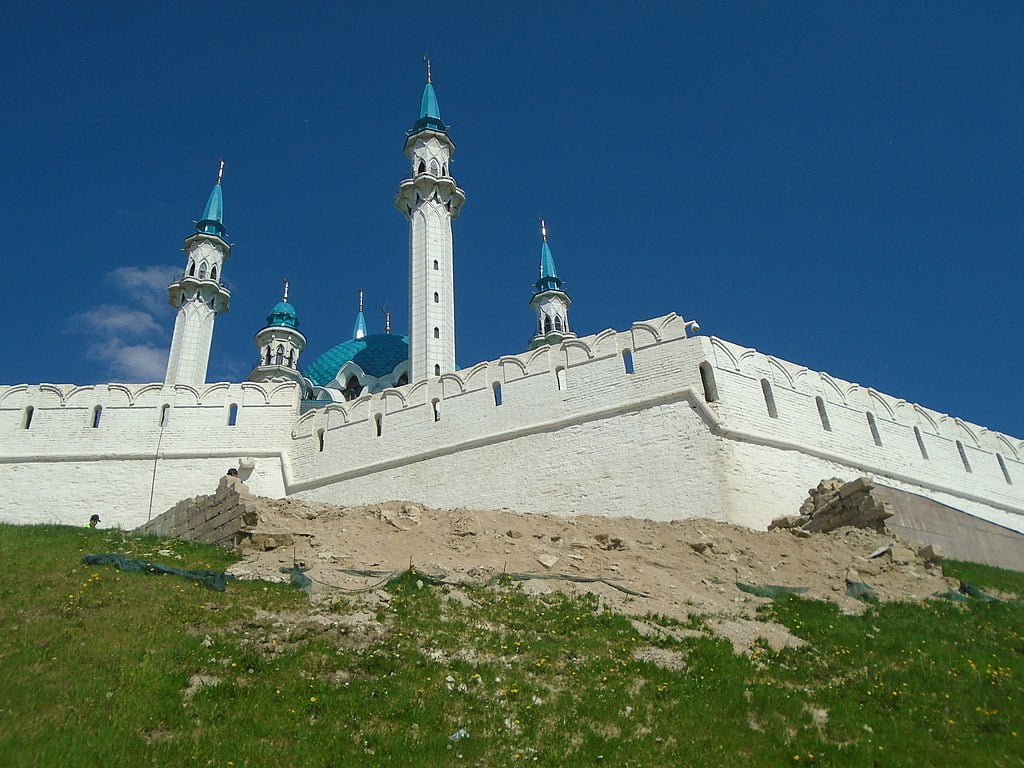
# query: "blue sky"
[[839, 185]]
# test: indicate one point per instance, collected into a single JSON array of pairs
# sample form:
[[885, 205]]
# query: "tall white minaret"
[[199, 295], [549, 303], [430, 199]]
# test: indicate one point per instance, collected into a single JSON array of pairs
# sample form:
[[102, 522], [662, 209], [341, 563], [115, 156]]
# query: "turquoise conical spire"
[[549, 279], [430, 112], [359, 331], [212, 222]]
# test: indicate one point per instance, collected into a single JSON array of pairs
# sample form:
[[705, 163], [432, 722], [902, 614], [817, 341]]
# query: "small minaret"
[[199, 295], [359, 331], [430, 200], [280, 343], [550, 303]]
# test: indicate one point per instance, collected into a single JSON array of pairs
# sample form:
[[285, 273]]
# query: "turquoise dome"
[[284, 314], [378, 355]]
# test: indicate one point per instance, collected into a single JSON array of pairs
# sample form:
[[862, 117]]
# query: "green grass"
[[94, 664]]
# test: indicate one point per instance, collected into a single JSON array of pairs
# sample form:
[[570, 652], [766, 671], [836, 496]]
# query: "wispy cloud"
[[134, 333]]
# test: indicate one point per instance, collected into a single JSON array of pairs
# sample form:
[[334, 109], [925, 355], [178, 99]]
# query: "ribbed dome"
[[378, 355]]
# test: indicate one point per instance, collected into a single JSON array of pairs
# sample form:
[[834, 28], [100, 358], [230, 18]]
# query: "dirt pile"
[[636, 566]]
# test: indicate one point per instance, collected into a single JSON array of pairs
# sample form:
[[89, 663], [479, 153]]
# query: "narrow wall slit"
[[920, 443], [963, 456], [823, 414], [27, 421], [769, 398], [627, 361], [97, 413], [1002, 466], [874, 428], [497, 392], [707, 380], [232, 415]]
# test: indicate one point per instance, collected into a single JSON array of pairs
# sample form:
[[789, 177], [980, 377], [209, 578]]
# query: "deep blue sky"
[[837, 185]]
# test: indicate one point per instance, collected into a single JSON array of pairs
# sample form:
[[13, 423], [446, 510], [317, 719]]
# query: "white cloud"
[[133, 333], [117, 321], [133, 363], [147, 285]]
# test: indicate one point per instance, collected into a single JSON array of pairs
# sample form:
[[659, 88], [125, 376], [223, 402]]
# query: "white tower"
[[550, 303], [279, 343], [199, 294], [430, 199]]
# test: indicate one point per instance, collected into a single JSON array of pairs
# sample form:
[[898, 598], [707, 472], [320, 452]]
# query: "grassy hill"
[[100, 667]]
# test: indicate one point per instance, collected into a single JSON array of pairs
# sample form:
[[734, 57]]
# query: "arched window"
[[823, 414], [437, 370], [1002, 466], [279, 356], [558, 323], [421, 168], [267, 359], [874, 428], [963, 456], [433, 168], [26, 422], [435, 264], [291, 358], [213, 272], [378, 421], [232, 415], [436, 405], [920, 443], [497, 392], [97, 412], [352, 388], [560, 377], [165, 413], [320, 440], [627, 360], [191, 268], [202, 270], [769, 398], [444, 169], [437, 332], [437, 297], [707, 380], [547, 324]]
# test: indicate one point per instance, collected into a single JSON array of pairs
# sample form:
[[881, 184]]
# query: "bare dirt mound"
[[676, 569]]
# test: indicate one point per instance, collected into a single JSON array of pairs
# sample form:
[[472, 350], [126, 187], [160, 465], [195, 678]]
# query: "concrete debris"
[[837, 504]]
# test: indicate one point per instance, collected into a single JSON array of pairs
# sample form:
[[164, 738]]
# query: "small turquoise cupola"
[[283, 314], [430, 113], [549, 279], [550, 302], [359, 331], [212, 222]]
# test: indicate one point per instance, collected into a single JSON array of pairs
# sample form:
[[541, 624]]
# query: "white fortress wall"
[[149, 442], [779, 457], [574, 433]]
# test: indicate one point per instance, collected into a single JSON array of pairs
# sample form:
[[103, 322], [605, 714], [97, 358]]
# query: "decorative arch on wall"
[[117, 391], [776, 365], [923, 414], [149, 394], [451, 385], [393, 400], [212, 390], [577, 351], [77, 393], [539, 360], [722, 351], [190, 393], [9, 393], [257, 394], [275, 394], [476, 377], [881, 401], [645, 335], [830, 384], [1007, 446], [605, 344], [512, 368], [966, 430]]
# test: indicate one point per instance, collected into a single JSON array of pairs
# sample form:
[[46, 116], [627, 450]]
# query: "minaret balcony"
[[426, 186]]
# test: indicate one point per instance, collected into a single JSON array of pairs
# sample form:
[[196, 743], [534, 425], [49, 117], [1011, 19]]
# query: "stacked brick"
[[214, 519], [834, 504]]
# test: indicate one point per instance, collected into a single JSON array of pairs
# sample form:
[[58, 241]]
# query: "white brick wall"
[[606, 442]]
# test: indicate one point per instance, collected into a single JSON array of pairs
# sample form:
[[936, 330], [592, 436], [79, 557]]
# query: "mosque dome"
[[284, 314], [378, 355]]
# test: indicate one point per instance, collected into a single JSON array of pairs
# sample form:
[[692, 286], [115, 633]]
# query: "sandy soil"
[[636, 566]]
